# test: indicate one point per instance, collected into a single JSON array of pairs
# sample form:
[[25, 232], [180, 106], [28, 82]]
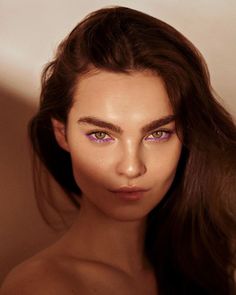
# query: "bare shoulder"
[[38, 276]]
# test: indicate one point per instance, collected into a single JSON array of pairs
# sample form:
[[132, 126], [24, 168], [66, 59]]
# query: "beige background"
[[29, 33]]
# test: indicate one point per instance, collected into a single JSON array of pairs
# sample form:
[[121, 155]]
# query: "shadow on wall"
[[22, 230]]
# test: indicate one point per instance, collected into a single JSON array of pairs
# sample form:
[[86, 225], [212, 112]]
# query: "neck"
[[98, 237]]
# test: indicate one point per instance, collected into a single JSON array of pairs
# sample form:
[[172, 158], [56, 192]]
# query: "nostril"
[[131, 169]]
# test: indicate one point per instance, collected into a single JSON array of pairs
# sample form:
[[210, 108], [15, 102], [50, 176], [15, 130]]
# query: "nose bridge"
[[131, 162]]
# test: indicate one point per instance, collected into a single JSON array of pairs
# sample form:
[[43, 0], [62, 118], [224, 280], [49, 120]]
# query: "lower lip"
[[132, 196]]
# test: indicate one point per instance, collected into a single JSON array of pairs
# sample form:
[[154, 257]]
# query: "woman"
[[130, 129]]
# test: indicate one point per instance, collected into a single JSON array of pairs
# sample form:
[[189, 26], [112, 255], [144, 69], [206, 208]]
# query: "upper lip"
[[130, 189]]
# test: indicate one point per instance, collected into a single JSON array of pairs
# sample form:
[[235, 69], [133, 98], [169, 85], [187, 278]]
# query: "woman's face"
[[133, 153]]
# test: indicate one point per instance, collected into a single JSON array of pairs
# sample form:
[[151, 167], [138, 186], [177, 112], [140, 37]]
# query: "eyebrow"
[[145, 129]]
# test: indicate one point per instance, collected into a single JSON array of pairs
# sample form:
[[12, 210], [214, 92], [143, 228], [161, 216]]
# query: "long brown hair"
[[190, 238]]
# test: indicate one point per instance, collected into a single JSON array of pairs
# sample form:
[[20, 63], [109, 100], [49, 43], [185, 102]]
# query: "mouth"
[[130, 193]]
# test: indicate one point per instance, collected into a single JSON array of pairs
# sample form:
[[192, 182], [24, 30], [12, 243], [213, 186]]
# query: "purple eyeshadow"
[[166, 136], [98, 140]]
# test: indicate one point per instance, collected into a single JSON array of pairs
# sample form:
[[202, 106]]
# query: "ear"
[[60, 134]]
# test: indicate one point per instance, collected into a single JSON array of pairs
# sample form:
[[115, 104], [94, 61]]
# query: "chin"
[[127, 214]]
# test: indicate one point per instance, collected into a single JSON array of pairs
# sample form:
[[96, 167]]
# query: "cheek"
[[89, 169], [165, 166]]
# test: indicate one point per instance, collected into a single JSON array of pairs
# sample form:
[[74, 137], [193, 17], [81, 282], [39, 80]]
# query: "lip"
[[130, 193], [129, 189]]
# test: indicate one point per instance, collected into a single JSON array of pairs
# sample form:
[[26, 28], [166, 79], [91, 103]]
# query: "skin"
[[107, 237], [127, 159], [133, 160]]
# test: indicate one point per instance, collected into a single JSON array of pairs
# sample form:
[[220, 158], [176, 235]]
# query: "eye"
[[99, 136], [157, 136], [160, 135]]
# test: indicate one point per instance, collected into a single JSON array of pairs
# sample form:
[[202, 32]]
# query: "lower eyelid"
[[167, 136], [90, 136]]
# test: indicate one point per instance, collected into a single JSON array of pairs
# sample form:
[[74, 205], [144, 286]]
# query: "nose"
[[130, 164]]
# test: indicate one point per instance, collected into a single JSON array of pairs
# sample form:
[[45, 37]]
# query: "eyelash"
[[167, 133]]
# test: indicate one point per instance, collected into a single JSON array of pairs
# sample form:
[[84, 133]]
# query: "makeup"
[[157, 136], [129, 196], [130, 193]]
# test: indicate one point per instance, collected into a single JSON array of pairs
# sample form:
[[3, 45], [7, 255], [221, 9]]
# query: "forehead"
[[140, 96]]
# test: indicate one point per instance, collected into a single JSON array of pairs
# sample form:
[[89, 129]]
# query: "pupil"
[[100, 135], [157, 134]]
